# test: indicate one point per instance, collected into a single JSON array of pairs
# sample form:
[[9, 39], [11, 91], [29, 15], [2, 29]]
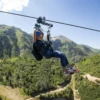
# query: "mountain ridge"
[[15, 42]]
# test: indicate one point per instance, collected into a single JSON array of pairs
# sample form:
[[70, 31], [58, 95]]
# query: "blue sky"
[[79, 12]]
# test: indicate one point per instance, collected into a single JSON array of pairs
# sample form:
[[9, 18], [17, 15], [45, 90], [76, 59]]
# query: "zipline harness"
[[41, 46]]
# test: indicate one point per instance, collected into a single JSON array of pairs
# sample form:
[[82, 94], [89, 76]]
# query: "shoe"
[[71, 71]]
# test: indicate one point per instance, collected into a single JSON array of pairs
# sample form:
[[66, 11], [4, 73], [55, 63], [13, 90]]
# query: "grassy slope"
[[8, 93], [14, 42]]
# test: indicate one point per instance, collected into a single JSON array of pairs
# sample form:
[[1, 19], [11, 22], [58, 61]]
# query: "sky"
[[78, 12]]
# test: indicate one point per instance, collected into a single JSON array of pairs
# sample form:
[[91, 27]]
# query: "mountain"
[[15, 42], [74, 51]]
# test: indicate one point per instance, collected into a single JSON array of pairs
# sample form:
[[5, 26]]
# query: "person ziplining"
[[43, 48]]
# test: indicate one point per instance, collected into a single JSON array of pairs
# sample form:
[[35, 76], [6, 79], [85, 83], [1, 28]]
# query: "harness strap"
[[43, 46]]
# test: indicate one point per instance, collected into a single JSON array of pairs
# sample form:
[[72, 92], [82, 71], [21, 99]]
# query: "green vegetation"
[[67, 93], [4, 98], [30, 75], [87, 89], [14, 42], [91, 66]]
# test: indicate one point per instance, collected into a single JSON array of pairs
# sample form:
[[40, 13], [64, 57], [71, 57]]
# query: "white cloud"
[[9, 5]]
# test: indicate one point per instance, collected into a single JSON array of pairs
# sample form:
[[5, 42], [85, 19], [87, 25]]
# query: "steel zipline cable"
[[53, 21]]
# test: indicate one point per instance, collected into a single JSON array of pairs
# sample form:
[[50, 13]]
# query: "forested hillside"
[[14, 42], [88, 81], [33, 77]]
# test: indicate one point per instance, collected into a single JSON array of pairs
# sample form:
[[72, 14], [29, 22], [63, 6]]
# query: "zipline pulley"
[[42, 21]]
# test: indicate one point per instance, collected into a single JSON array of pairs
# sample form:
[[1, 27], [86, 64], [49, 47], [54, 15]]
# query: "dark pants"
[[58, 54]]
